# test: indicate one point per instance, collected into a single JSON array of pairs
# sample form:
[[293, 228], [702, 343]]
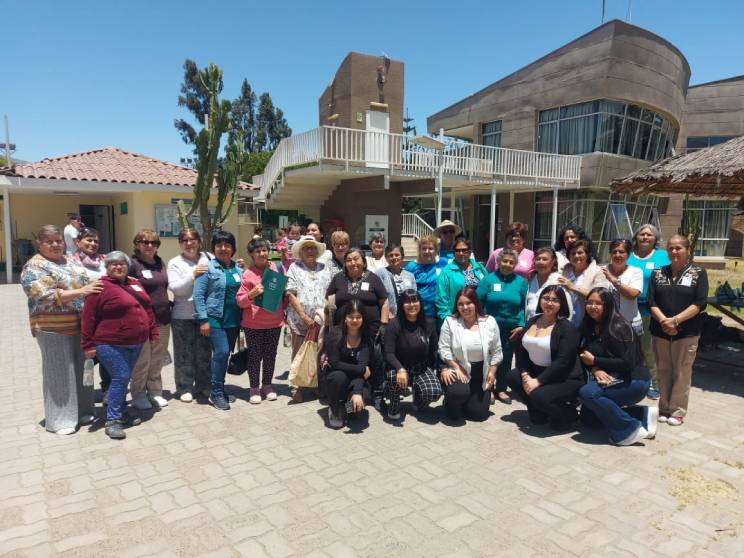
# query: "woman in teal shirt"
[[461, 272], [503, 295], [217, 311]]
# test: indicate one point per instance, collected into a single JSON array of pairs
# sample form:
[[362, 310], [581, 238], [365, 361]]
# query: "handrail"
[[414, 225], [399, 152]]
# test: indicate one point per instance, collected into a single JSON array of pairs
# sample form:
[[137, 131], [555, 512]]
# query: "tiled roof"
[[109, 164]]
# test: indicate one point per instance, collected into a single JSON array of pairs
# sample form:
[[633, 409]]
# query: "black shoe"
[[104, 400], [219, 401], [130, 420], [115, 430], [538, 420]]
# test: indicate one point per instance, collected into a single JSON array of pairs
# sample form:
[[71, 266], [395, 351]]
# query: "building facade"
[[619, 97]]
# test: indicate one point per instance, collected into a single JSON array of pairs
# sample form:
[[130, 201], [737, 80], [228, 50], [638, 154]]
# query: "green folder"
[[273, 284]]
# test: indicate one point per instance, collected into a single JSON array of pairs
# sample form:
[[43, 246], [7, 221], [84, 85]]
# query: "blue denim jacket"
[[209, 291]]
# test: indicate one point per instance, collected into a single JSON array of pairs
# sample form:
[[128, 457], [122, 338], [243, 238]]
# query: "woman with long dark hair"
[[470, 346], [351, 362], [548, 374], [611, 354], [411, 355]]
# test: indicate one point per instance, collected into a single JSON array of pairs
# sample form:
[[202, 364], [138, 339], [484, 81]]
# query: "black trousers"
[[339, 387], [554, 402], [468, 400]]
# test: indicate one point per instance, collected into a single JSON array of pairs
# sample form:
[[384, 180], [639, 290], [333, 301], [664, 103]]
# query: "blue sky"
[[84, 74]]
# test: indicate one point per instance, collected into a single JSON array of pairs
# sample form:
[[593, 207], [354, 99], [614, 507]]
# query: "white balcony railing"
[[401, 153], [414, 225]]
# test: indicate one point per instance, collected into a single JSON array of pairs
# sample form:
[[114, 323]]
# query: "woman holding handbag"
[[261, 327]]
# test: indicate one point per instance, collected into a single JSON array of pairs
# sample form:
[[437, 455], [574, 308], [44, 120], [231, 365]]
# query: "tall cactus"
[[690, 226], [210, 168]]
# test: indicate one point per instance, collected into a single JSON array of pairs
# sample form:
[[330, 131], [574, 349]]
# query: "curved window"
[[606, 126]]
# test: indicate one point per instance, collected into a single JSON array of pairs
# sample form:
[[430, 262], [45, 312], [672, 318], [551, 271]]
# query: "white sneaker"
[[652, 420], [675, 421], [637, 436], [334, 421], [86, 419], [65, 431], [142, 403], [160, 401], [186, 397]]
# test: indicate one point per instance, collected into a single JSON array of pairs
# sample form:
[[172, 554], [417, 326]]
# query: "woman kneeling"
[[470, 346], [611, 355], [351, 360]]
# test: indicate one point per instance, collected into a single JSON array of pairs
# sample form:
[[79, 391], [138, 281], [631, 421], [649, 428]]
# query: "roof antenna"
[[630, 12], [603, 10]]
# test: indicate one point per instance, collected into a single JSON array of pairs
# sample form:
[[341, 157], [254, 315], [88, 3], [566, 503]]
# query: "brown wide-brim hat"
[[447, 223], [304, 241]]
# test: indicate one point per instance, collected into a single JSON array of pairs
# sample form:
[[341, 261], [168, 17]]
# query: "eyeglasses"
[[447, 231], [117, 264], [551, 300], [149, 242]]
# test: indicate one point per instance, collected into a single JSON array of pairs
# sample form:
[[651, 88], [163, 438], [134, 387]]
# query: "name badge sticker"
[[649, 265], [686, 281], [147, 274], [479, 275], [522, 263], [236, 276], [364, 286], [497, 287], [137, 288]]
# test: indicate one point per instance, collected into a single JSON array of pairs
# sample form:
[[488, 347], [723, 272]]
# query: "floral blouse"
[[42, 279], [310, 289]]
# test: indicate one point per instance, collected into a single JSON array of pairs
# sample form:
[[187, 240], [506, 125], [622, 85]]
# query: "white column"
[[440, 187], [8, 232], [554, 227], [511, 207], [492, 235]]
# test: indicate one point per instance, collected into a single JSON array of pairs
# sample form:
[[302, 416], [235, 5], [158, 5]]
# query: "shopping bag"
[[303, 372]]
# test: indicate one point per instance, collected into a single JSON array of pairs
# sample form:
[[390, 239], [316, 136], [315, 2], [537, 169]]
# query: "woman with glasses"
[[411, 355], [580, 276], [463, 271], [647, 256], [191, 350], [147, 267], [611, 355], [625, 283], [117, 322], [548, 375], [470, 347], [515, 235], [447, 232], [56, 286]]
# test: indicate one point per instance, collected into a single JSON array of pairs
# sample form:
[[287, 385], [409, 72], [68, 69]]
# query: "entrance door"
[[377, 140], [101, 218]]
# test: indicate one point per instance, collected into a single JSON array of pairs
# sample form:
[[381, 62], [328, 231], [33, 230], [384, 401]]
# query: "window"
[[491, 133], [695, 143], [715, 221], [606, 126]]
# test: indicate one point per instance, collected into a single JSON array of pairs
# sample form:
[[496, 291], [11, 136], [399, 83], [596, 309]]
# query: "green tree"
[[3, 161], [255, 163], [244, 116], [271, 126]]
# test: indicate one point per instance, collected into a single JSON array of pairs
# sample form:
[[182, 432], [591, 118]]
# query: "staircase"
[[413, 227]]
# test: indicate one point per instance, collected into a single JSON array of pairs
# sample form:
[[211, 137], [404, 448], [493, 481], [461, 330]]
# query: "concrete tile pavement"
[[272, 480]]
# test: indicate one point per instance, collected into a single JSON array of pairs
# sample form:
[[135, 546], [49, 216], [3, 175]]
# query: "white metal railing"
[[414, 225], [398, 152]]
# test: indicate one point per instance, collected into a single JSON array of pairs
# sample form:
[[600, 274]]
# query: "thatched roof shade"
[[715, 171]]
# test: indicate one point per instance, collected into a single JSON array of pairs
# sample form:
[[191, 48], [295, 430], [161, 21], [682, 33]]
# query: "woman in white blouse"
[[470, 346], [626, 283], [580, 276]]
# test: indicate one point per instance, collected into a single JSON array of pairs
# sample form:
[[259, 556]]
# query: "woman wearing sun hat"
[[447, 232]]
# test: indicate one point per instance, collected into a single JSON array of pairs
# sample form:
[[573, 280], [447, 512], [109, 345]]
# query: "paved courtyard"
[[272, 480]]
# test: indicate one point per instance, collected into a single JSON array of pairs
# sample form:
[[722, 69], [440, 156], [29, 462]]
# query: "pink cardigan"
[[255, 317], [525, 262]]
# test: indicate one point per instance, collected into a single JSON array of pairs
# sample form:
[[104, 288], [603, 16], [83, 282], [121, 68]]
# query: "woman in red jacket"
[[117, 322]]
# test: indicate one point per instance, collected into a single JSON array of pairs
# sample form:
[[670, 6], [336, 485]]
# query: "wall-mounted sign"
[[167, 224], [375, 224], [360, 117], [123, 208]]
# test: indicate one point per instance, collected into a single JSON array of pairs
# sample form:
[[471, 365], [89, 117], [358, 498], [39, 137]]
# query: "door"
[[377, 140], [101, 218]]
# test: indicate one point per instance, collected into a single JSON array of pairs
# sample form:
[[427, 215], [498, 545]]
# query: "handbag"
[[303, 372], [238, 362]]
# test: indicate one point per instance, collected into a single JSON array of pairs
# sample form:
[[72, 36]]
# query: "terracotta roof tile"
[[109, 164]]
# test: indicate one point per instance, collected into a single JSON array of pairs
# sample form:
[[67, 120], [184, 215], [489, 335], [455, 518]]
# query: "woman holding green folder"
[[262, 327]]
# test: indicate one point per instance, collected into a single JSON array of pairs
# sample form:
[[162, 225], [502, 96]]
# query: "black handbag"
[[238, 362]]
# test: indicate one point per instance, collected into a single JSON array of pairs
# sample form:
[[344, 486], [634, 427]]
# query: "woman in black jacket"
[[548, 374], [351, 362], [610, 352], [411, 354]]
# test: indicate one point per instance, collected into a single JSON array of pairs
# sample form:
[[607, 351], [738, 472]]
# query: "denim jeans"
[[223, 341], [606, 404], [119, 361]]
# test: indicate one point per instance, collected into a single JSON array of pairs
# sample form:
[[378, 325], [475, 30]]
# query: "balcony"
[[305, 168]]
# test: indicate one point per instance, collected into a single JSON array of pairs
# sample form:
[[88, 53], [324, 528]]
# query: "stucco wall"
[[714, 109]]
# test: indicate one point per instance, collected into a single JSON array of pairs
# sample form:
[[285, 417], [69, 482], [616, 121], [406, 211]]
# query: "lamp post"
[[435, 145]]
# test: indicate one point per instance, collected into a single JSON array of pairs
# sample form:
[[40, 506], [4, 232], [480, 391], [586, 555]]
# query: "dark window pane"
[[642, 144], [491, 127], [648, 116], [547, 137], [577, 135], [548, 115], [634, 111], [628, 139], [608, 132], [716, 140], [653, 144], [613, 107], [697, 142]]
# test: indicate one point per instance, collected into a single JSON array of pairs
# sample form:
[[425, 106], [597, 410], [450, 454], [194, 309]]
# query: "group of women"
[[575, 329]]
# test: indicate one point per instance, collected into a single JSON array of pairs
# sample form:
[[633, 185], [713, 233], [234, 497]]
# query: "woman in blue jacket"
[[217, 310]]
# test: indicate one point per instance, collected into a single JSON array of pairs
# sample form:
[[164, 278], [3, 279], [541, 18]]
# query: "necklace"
[[543, 325]]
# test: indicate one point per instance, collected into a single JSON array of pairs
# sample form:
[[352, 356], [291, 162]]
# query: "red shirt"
[[121, 314]]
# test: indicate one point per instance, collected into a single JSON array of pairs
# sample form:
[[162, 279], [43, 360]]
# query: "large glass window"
[[606, 126], [695, 143], [715, 221], [491, 133]]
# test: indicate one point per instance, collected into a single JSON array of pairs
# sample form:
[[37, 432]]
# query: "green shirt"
[[231, 312], [504, 298], [451, 279]]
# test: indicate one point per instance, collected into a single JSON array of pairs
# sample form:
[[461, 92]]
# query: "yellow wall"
[[29, 212]]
